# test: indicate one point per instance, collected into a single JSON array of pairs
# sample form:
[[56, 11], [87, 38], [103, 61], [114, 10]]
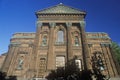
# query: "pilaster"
[[13, 60], [111, 68], [6, 64], [69, 39], [35, 57], [51, 55], [111, 60], [39, 24], [85, 51]]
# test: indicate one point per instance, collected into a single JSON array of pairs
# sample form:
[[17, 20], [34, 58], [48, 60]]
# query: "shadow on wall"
[[4, 77]]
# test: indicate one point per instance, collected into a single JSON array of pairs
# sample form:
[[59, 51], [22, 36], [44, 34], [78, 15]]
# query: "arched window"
[[44, 41], [42, 63], [42, 67], [76, 41], [60, 35]]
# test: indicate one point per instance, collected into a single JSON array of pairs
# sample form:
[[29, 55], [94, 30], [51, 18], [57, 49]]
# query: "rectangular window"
[[60, 61], [78, 63]]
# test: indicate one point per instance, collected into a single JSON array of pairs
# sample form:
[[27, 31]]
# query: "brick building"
[[60, 35], [2, 58]]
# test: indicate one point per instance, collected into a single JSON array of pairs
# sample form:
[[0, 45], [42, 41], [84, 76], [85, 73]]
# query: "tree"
[[3, 76], [115, 48], [70, 72], [98, 66], [116, 51]]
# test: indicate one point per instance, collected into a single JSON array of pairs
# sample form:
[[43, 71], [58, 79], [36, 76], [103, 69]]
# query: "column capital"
[[82, 23], [69, 24], [39, 24], [52, 24]]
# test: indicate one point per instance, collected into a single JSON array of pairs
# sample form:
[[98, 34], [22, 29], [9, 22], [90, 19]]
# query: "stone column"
[[69, 41], [85, 52], [51, 55], [109, 60], [39, 25], [12, 64], [33, 65], [7, 61], [90, 52], [8, 58]]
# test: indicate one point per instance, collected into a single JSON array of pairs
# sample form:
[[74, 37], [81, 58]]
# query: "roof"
[[23, 37], [60, 9], [4, 54]]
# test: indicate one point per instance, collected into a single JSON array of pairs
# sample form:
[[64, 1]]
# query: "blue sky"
[[19, 16]]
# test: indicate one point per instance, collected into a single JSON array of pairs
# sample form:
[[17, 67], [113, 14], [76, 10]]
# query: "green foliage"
[[3, 76], [116, 51], [72, 72]]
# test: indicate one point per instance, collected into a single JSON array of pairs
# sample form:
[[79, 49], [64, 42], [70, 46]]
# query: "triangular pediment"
[[60, 9]]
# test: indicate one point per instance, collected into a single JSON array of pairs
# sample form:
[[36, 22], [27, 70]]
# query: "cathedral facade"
[[60, 36]]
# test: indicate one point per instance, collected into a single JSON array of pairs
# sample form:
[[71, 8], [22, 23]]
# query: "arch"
[[76, 33], [60, 34], [42, 66], [44, 32], [42, 58]]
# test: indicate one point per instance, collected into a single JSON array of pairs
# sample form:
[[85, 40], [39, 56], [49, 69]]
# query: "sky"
[[19, 16]]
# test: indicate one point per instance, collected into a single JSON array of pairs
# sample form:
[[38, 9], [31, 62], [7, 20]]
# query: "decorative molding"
[[43, 47], [82, 23], [69, 24], [52, 24], [39, 24], [22, 52], [14, 44], [60, 17]]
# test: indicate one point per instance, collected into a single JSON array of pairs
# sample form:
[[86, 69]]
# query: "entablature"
[[60, 18]]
